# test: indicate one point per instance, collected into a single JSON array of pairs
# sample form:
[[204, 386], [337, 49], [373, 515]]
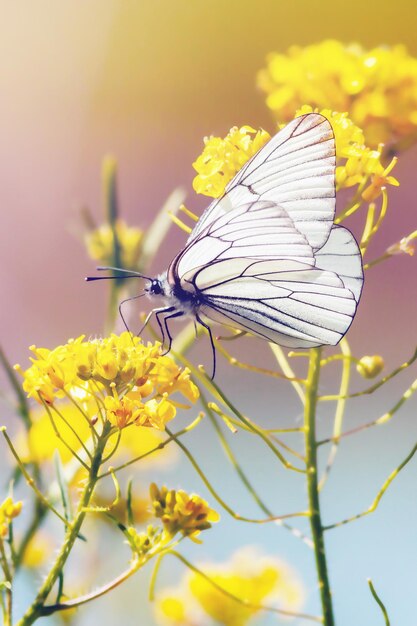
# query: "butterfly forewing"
[[295, 170]]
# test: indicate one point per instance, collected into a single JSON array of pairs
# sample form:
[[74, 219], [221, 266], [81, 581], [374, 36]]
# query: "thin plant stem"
[[22, 402], [383, 419], [379, 495], [30, 481], [160, 446], [9, 592], [35, 610], [73, 430], [374, 387], [287, 369], [313, 487], [340, 411], [245, 480], [255, 429], [253, 368], [379, 602], [60, 437], [220, 500], [241, 601]]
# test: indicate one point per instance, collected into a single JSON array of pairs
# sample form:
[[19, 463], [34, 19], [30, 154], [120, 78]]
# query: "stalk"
[[313, 485], [36, 609]]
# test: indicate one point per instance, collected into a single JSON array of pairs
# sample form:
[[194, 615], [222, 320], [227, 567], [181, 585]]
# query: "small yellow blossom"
[[100, 244], [136, 381], [379, 181], [404, 246], [370, 366], [169, 379], [8, 511], [181, 512], [377, 87], [222, 158], [122, 411]]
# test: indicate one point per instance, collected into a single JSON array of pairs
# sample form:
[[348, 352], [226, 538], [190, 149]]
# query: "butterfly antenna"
[[125, 274]]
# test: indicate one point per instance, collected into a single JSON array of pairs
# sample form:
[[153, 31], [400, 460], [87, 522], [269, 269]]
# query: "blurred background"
[[146, 81]]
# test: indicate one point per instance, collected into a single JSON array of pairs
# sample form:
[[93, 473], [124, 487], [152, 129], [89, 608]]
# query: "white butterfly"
[[266, 257]]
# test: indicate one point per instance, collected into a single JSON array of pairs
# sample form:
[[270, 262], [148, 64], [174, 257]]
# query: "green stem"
[[9, 578], [312, 484], [36, 609]]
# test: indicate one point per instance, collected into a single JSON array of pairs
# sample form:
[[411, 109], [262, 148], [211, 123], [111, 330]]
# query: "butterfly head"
[[155, 287]]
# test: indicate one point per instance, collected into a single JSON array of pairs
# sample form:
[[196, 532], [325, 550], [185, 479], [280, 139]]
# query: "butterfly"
[[266, 257]]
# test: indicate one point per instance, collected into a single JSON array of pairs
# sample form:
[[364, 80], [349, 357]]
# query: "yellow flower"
[[169, 378], [8, 511], [370, 366], [100, 244], [122, 411], [181, 512], [250, 576], [379, 181], [222, 158], [377, 87], [157, 413]]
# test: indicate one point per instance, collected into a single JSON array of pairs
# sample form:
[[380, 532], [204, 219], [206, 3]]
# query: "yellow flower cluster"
[[181, 512], [357, 164], [222, 158], [249, 576], [378, 87], [133, 382], [8, 511], [100, 244]]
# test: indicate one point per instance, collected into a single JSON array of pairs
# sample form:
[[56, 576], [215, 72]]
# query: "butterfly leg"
[[121, 314], [148, 317], [165, 321], [213, 347], [162, 325]]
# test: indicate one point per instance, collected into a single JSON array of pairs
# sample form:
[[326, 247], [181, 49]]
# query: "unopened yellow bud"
[[370, 366]]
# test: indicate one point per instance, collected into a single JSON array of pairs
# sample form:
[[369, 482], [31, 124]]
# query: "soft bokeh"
[[146, 82]]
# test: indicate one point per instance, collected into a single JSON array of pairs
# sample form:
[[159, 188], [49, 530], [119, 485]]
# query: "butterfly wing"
[[287, 302], [252, 269], [341, 254], [258, 230], [295, 170]]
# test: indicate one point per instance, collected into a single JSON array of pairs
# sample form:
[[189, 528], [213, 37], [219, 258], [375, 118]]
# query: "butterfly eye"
[[156, 287]]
